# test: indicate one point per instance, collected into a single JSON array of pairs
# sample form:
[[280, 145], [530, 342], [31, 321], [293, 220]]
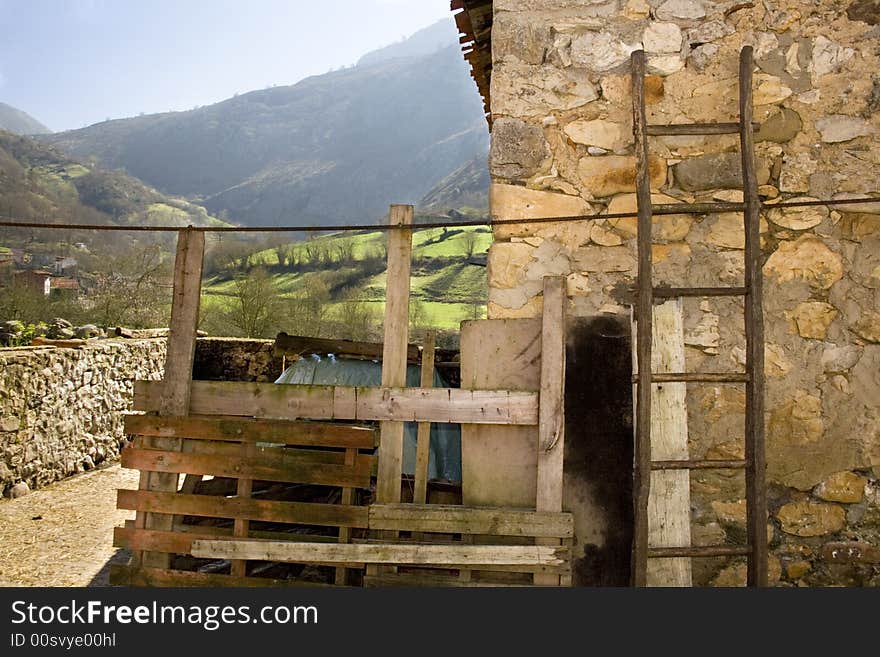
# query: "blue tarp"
[[445, 455]]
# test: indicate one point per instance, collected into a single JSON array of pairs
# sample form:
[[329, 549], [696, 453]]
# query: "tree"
[[256, 309], [469, 241]]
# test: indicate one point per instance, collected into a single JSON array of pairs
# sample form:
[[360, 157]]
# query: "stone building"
[[554, 77]]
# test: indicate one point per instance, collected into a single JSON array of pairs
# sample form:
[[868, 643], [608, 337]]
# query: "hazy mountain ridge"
[[331, 149], [19, 122]]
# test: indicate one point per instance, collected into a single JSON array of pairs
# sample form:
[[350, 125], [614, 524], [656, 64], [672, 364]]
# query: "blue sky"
[[71, 63]]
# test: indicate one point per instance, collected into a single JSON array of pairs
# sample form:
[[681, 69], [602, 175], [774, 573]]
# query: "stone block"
[[807, 518], [615, 174]]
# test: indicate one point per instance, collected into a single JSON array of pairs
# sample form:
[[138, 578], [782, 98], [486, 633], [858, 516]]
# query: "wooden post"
[[175, 396], [669, 508], [551, 413], [642, 460], [423, 445], [756, 492], [345, 532], [394, 350], [241, 526]]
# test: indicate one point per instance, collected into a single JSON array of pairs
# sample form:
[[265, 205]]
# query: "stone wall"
[[61, 409], [562, 145]]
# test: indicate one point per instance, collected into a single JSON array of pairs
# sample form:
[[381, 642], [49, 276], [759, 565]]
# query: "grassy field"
[[447, 286]]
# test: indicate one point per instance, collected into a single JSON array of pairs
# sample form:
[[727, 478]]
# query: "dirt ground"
[[62, 535]]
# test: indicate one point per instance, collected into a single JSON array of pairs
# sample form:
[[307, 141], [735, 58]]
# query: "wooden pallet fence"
[[248, 451]]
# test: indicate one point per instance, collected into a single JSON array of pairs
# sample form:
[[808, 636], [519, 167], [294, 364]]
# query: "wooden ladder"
[[753, 377]]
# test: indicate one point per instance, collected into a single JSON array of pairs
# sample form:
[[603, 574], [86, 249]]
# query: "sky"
[[71, 63]]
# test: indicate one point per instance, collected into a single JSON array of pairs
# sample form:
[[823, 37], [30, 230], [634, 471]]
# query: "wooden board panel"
[[292, 402], [500, 354], [276, 468], [303, 513], [164, 577], [669, 501], [389, 553], [239, 429], [212, 531], [460, 520]]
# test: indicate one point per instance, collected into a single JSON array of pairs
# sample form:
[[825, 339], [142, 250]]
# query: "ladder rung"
[[699, 464], [696, 208], [672, 129], [672, 292], [697, 377], [699, 551]]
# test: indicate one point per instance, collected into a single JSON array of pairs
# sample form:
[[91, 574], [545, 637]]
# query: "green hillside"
[[334, 286]]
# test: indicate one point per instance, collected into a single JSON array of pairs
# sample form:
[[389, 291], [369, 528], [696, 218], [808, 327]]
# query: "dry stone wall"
[[562, 145], [61, 409]]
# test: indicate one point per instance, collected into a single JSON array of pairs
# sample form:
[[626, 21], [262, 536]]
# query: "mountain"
[[21, 123], [332, 149], [465, 188], [39, 184]]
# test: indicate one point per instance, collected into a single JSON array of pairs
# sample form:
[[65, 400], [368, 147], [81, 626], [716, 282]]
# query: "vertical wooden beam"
[[345, 532], [669, 502], [756, 492], [551, 414], [394, 350], [423, 444], [181, 348], [642, 465], [241, 527]]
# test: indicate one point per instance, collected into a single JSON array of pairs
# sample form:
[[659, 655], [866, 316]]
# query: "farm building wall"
[[562, 145]]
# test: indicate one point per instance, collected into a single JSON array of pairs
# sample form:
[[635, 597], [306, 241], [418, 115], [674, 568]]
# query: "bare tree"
[[256, 309], [469, 240]]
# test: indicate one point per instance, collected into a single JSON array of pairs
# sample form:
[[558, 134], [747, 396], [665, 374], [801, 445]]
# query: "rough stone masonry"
[[562, 145]]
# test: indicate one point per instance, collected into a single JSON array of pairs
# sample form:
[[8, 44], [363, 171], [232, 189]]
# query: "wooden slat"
[[756, 492], [705, 551], [174, 389], [424, 580], [276, 468], [673, 292], [241, 526], [294, 345], [448, 519], [179, 541], [394, 349], [698, 464], [163, 577], [642, 461], [347, 497], [389, 553], [698, 377], [673, 129], [669, 508], [239, 429], [423, 439], [551, 419], [292, 402], [302, 513]]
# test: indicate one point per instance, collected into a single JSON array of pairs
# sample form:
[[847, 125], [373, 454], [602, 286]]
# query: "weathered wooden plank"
[[756, 491], [121, 575], [669, 507], [179, 541], [447, 519], [389, 553], [423, 439], [291, 402], [240, 429], [241, 526], [642, 469], [394, 349], [275, 468], [301, 513], [425, 580], [295, 345], [347, 497], [551, 418], [174, 389]]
